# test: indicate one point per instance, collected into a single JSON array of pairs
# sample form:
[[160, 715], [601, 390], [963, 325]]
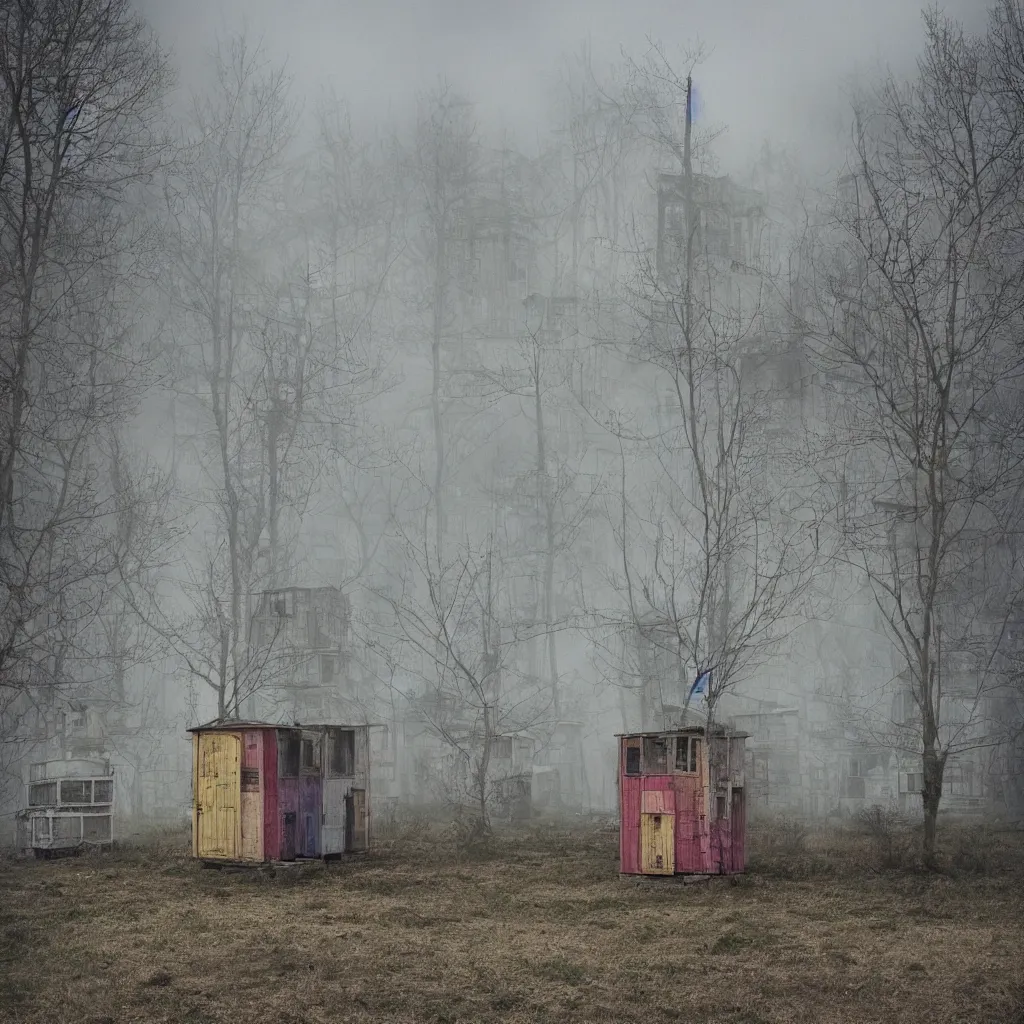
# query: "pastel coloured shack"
[[266, 792], [681, 802]]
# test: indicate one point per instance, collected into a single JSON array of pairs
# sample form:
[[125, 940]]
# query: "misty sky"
[[777, 68]]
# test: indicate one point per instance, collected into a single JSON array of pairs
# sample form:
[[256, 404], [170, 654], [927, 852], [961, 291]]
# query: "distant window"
[[342, 760], [289, 754], [326, 669], [721, 806], [686, 753], [503, 747], [633, 759]]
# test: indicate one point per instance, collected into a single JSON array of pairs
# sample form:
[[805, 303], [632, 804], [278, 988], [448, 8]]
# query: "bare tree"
[[711, 568], [461, 639], [443, 169], [243, 301], [81, 85], [918, 299], [535, 375]]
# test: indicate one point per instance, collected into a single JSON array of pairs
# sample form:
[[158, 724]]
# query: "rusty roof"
[[234, 724], [686, 730]]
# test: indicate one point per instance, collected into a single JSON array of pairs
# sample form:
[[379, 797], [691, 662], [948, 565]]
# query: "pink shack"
[[681, 804], [267, 792]]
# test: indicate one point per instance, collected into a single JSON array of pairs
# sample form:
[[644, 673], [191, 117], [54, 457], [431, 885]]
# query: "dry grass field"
[[540, 928]]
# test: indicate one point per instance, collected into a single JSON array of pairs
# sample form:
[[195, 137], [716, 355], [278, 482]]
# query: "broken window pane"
[[289, 747], [310, 754], [655, 755], [75, 791], [343, 752]]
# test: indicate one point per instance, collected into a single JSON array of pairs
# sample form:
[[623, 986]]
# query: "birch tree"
[[243, 302]]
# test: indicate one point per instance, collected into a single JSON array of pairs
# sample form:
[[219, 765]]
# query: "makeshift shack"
[[266, 792], [69, 806], [681, 802]]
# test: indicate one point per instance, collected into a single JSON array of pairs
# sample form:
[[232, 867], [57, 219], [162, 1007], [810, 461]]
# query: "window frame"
[[652, 763], [693, 752], [632, 746]]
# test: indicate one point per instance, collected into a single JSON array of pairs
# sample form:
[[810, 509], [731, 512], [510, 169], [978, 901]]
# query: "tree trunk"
[[933, 767], [485, 763], [435, 383], [547, 503]]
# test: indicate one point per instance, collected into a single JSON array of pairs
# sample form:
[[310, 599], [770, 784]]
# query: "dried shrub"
[[779, 847], [471, 836], [891, 836]]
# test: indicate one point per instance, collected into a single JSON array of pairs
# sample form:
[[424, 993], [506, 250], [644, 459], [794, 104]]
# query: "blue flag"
[[696, 103], [700, 684]]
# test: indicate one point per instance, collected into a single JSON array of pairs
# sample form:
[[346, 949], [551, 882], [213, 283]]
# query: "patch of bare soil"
[[539, 928]]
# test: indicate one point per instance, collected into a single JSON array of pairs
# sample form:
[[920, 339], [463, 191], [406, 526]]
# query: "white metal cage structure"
[[70, 804]]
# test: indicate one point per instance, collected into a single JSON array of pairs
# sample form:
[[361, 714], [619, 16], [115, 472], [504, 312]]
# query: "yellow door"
[[217, 795], [658, 844]]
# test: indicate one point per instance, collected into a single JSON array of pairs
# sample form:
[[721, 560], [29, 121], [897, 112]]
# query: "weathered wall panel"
[[288, 815], [271, 808], [739, 830], [310, 812], [332, 835], [252, 795]]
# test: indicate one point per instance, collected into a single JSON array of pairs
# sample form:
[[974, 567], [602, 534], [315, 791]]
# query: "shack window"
[[75, 791], [289, 754], [42, 794], [633, 757], [721, 806], [310, 754], [103, 792], [656, 755], [687, 749], [342, 759]]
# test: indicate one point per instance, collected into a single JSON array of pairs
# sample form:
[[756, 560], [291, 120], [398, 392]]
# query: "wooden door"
[[360, 824], [218, 821], [658, 844]]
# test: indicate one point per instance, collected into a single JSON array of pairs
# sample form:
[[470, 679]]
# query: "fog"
[[425, 366]]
